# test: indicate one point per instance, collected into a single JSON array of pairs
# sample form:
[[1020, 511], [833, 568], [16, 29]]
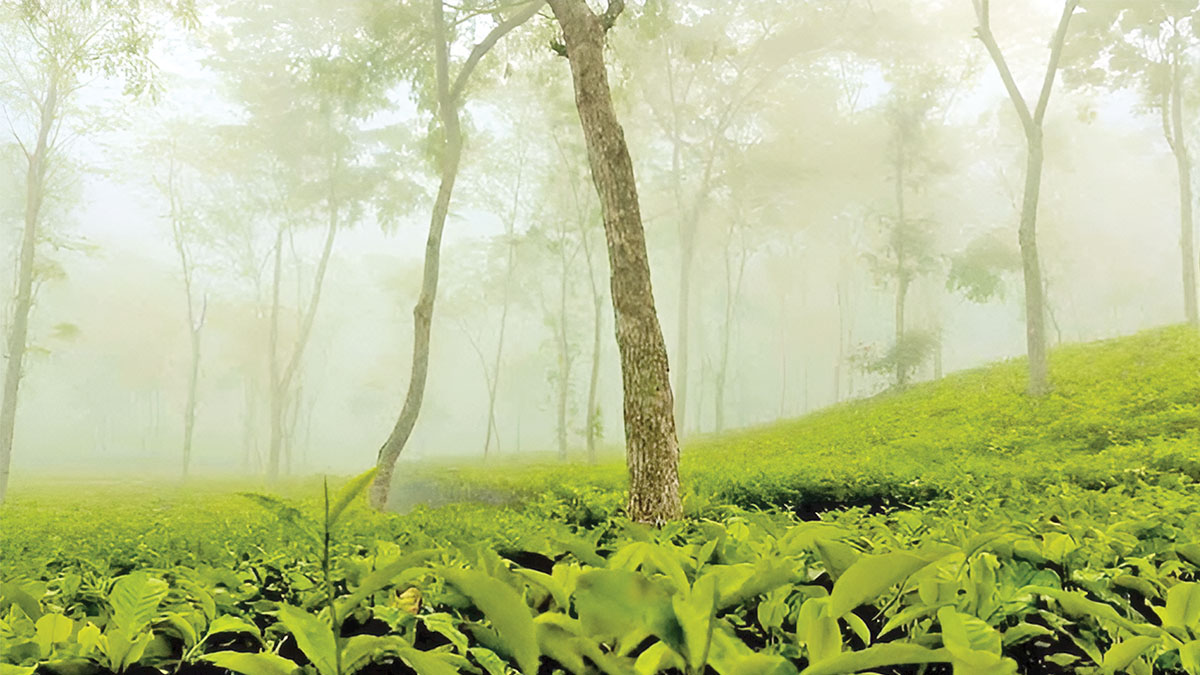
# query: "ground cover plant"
[[1086, 565]]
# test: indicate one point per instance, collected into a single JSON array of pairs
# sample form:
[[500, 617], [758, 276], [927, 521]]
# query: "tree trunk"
[[18, 332], [281, 381], [195, 322], [733, 291], [652, 450], [564, 350], [451, 154], [1183, 163], [448, 96], [1035, 303], [593, 412], [1032, 123]]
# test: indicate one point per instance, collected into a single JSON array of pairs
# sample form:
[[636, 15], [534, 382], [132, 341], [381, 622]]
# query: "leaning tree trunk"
[[448, 97], [652, 450], [18, 332]]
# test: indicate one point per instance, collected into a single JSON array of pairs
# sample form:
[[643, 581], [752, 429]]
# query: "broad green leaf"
[[233, 624], [9, 669], [1183, 606], [399, 571], [134, 599], [764, 577], [731, 656], [655, 556], [658, 658], [353, 488], [1189, 657], [504, 608], [88, 637], [1122, 655], [890, 654], [962, 632], [1076, 605], [426, 663], [360, 651], [52, 629], [818, 631], [1023, 631], [695, 610], [446, 625], [613, 603], [258, 663], [314, 637], [869, 578], [488, 660], [12, 594], [837, 556]]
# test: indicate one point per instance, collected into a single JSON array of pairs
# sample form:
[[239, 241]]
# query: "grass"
[[1122, 406]]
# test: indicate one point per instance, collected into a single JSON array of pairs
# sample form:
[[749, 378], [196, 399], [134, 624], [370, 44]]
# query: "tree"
[[182, 232], [447, 103], [1031, 124], [652, 449], [50, 48], [1148, 46]]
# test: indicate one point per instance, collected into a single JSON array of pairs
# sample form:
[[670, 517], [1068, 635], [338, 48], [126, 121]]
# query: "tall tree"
[[448, 100], [50, 48], [182, 222], [652, 449], [1032, 124], [1149, 46]]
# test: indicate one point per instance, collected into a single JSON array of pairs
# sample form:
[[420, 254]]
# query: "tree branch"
[[609, 18], [1056, 47], [501, 29], [984, 33]]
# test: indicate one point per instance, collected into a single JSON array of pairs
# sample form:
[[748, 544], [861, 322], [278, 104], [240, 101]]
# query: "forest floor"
[[958, 523]]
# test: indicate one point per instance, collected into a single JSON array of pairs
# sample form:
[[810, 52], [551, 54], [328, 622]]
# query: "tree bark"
[[593, 410], [18, 332], [1183, 163], [652, 450], [733, 291], [1032, 123], [449, 98]]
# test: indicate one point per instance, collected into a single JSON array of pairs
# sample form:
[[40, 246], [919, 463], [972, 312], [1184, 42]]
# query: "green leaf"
[[612, 603], [504, 608], [314, 637], [1183, 605], [426, 663], [360, 650], [353, 488], [1121, 655], [260, 663], [399, 571], [233, 624], [488, 660], [890, 654], [695, 612], [870, 577], [52, 629], [134, 599], [9, 669], [818, 631], [12, 594]]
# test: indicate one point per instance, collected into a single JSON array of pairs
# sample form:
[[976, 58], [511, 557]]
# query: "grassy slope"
[[1122, 405]]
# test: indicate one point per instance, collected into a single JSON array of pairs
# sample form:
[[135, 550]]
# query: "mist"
[[764, 138]]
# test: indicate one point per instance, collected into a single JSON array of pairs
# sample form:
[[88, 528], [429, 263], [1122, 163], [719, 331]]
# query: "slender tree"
[[1149, 47], [652, 449], [449, 92], [1032, 124], [50, 48]]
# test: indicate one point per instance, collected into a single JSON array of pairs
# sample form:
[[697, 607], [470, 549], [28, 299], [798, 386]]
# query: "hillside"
[[1120, 407]]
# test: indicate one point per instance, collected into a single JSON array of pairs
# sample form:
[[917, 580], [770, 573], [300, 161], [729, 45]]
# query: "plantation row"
[[1064, 539], [1106, 583]]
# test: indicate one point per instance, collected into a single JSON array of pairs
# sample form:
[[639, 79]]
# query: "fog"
[[766, 137]]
